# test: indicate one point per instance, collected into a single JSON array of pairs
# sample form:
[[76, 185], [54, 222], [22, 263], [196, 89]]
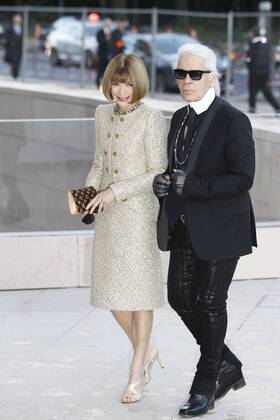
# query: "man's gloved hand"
[[161, 185], [178, 179]]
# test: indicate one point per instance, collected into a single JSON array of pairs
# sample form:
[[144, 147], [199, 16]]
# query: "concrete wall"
[[266, 190], [26, 102], [63, 259]]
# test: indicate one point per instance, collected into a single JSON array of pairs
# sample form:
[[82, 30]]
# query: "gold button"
[[105, 153], [121, 119], [112, 118], [114, 153], [107, 169], [116, 171], [117, 136], [108, 135]]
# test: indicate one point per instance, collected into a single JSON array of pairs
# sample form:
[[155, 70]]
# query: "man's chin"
[[189, 97]]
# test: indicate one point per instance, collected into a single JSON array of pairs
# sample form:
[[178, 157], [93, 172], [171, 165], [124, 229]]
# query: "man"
[[117, 37], [206, 218], [259, 64], [104, 51], [14, 37]]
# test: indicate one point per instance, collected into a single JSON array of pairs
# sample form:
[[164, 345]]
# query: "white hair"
[[209, 58]]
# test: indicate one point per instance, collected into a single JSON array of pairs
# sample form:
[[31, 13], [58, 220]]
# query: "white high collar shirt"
[[205, 102]]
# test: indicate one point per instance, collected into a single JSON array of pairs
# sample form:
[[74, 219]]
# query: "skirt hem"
[[146, 308]]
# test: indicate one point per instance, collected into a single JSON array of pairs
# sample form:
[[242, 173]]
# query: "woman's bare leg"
[[138, 327], [124, 319], [142, 322]]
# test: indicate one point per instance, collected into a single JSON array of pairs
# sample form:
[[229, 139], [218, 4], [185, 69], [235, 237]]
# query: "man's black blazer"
[[13, 45], [216, 200]]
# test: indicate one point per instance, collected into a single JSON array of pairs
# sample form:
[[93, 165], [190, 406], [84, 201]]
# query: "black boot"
[[230, 377], [196, 405]]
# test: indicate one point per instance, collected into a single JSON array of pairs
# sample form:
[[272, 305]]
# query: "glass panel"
[[41, 159], [55, 46]]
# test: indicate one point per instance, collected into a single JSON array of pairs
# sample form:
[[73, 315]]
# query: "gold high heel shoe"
[[131, 393], [149, 365]]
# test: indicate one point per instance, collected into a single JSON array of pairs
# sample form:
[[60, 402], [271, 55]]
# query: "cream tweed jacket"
[[130, 150]]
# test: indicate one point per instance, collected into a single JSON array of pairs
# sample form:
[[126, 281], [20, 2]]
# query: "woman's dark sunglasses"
[[194, 74]]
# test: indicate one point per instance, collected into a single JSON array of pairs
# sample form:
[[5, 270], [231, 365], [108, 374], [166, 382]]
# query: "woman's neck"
[[124, 107]]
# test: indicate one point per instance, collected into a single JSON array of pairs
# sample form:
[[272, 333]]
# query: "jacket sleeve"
[[155, 156], [95, 173], [240, 161]]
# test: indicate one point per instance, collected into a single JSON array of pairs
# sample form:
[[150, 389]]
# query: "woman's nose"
[[122, 89]]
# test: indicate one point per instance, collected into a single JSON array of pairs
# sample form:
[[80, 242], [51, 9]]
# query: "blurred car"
[[167, 45], [63, 21], [69, 39]]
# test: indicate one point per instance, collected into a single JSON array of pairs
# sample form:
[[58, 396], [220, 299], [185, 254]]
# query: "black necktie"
[[189, 128]]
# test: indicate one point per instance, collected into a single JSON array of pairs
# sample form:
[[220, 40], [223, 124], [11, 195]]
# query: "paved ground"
[[62, 359]]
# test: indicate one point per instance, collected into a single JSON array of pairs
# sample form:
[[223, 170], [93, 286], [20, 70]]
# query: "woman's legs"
[[124, 319], [138, 327], [142, 323]]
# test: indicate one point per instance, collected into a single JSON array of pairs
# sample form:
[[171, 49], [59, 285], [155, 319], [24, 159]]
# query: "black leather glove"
[[178, 179], [161, 185]]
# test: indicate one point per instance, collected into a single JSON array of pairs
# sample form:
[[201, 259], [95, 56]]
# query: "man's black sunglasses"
[[194, 74]]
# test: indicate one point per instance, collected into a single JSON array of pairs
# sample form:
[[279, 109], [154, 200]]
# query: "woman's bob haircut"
[[126, 68]]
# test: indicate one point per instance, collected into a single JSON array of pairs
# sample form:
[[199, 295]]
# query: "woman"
[[130, 151]]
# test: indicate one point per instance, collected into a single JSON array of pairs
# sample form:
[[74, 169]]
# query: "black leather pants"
[[197, 290]]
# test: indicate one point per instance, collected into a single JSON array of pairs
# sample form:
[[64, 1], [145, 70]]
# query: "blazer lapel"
[[201, 134]]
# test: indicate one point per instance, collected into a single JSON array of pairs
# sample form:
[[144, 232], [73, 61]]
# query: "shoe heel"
[[157, 359], [239, 384], [160, 363]]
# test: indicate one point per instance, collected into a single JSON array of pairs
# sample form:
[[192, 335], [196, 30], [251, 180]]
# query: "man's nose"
[[187, 79]]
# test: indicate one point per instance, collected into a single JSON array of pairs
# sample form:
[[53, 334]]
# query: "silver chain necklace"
[[177, 161]]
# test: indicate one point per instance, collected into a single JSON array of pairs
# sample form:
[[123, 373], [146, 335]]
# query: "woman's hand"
[[101, 200]]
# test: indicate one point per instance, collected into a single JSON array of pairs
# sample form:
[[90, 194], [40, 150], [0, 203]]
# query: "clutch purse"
[[79, 199]]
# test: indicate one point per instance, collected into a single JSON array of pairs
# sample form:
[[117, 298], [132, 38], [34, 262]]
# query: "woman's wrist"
[[112, 191]]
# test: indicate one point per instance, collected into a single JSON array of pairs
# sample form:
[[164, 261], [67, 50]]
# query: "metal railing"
[[227, 33]]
